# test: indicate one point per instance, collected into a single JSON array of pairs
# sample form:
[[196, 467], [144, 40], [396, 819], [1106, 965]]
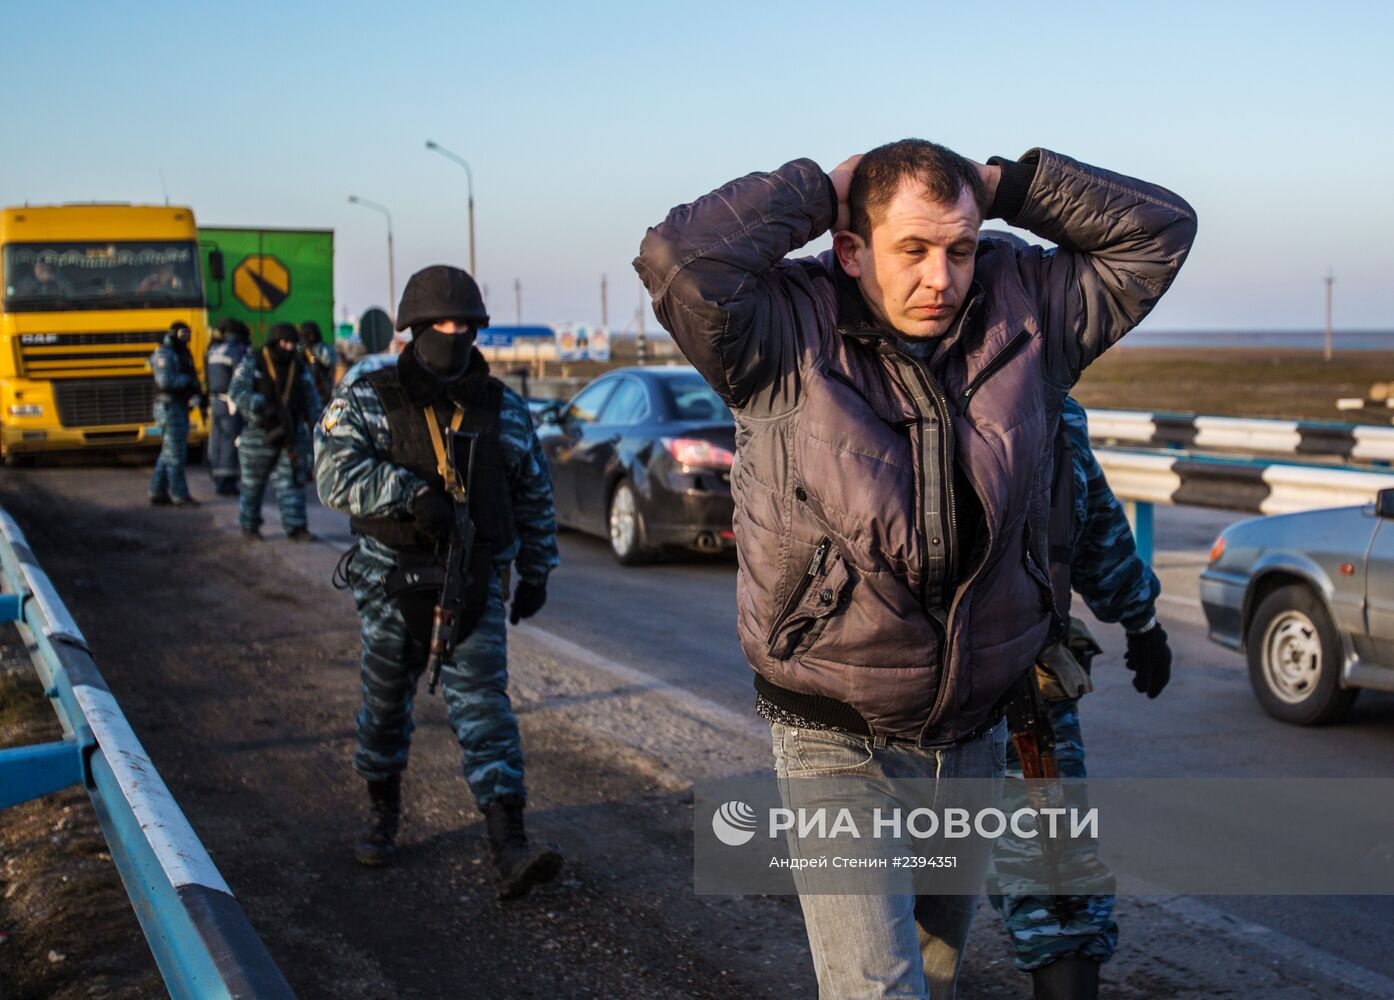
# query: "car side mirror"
[[1384, 503], [215, 265]]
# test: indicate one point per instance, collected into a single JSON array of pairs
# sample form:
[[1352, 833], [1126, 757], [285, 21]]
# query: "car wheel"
[[1295, 659], [626, 525]]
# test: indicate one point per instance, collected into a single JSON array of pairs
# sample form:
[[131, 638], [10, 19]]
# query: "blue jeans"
[[897, 945]]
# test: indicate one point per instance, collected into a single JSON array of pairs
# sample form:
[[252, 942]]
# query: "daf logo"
[[39, 338]]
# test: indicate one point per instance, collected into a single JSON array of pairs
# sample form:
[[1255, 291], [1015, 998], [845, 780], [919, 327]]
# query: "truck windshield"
[[49, 277]]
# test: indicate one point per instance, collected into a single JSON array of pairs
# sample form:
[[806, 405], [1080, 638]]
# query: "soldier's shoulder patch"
[[333, 412]]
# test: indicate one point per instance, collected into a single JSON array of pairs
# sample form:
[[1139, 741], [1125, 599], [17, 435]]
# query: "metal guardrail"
[[200, 937], [1257, 487], [1303, 438], [1142, 479]]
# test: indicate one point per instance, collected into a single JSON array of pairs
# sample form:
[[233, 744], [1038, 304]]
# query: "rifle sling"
[[443, 463], [282, 391]]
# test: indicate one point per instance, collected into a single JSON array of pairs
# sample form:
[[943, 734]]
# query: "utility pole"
[[604, 306], [1330, 280], [518, 298], [640, 344]]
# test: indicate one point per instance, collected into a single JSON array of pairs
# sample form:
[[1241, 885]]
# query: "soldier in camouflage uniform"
[[375, 460], [226, 353], [275, 394], [319, 359], [1063, 942], [176, 387]]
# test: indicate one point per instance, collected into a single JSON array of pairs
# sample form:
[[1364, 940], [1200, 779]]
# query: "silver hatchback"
[[1310, 598]]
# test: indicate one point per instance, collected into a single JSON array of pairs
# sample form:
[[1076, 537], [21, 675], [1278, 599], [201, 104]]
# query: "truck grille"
[[97, 402], [46, 355]]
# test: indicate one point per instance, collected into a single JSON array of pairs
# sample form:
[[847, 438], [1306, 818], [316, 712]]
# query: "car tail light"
[[695, 451], [1218, 549]]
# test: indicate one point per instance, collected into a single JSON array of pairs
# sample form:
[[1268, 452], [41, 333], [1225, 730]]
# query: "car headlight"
[[25, 410]]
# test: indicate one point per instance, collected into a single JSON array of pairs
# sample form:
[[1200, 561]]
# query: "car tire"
[[1295, 659], [624, 522]]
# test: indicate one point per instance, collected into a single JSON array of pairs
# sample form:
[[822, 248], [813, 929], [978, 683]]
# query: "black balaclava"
[[444, 355], [179, 336], [310, 333], [278, 333]]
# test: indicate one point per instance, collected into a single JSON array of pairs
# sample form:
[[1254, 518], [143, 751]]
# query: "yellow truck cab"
[[88, 293]]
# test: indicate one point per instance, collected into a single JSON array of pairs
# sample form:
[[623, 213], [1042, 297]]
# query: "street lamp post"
[[391, 267], [469, 179]]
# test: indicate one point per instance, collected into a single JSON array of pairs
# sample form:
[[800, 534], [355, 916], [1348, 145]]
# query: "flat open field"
[[1237, 382]]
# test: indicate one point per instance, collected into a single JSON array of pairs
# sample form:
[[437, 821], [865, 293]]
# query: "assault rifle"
[[282, 433], [445, 622], [1033, 737]]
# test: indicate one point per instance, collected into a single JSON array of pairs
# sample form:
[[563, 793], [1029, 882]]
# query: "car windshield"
[[51, 277], [693, 399]]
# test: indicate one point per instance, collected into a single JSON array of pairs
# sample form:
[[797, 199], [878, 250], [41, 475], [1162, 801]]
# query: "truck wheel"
[[1295, 659], [16, 460]]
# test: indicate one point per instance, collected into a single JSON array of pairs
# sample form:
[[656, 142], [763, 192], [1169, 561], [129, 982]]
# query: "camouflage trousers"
[[168, 478], [474, 684], [222, 443], [1039, 936], [259, 462]]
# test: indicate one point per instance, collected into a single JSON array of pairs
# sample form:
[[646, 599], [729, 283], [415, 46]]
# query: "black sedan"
[[643, 456]]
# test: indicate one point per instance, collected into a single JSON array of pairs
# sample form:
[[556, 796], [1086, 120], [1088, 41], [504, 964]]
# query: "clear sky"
[[585, 122]]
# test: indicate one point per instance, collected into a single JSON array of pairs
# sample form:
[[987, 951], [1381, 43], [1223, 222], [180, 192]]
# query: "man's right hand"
[[434, 512], [841, 176]]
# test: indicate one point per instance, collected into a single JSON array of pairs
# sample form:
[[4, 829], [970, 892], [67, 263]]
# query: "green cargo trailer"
[[265, 276]]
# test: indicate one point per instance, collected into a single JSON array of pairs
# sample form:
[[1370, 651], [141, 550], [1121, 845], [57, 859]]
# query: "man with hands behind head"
[[378, 458], [896, 399]]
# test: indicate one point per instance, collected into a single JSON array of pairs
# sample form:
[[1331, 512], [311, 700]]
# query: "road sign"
[[261, 282], [375, 330], [507, 336]]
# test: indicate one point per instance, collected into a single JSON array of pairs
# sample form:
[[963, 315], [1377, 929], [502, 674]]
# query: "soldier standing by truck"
[[319, 358], [176, 386], [276, 396], [231, 343], [381, 456]]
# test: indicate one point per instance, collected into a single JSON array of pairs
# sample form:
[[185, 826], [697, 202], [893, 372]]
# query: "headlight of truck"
[[26, 410]]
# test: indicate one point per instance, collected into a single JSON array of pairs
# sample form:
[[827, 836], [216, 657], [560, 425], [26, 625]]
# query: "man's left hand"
[[1149, 658], [528, 599]]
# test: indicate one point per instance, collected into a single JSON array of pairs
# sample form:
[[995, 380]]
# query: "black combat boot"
[[519, 865], [1067, 979], [377, 841]]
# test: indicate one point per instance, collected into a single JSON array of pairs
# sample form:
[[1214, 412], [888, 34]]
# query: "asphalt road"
[[630, 685]]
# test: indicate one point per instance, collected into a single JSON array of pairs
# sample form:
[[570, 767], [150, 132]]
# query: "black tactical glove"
[[434, 513], [528, 599], [1149, 658]]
